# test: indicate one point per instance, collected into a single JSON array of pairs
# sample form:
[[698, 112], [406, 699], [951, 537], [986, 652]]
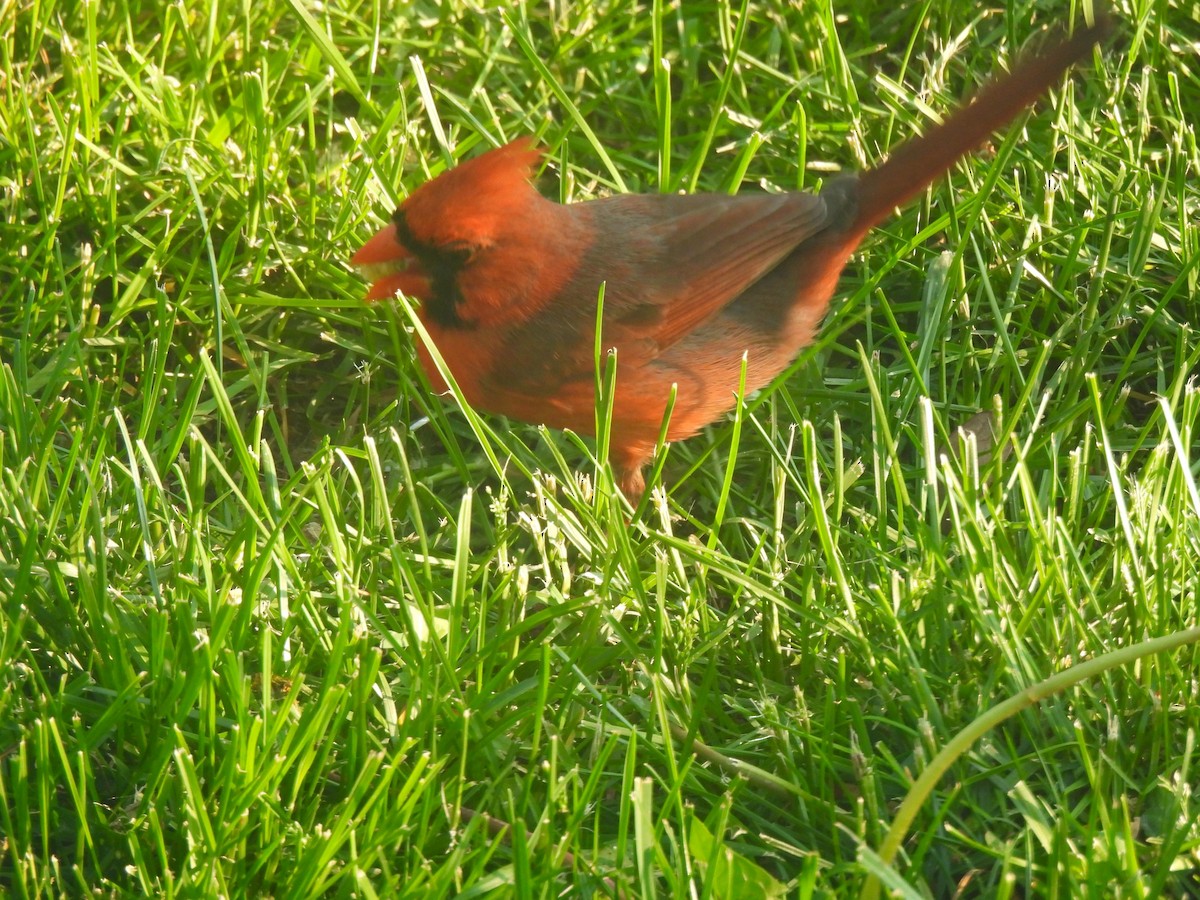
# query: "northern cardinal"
[[508, 280]]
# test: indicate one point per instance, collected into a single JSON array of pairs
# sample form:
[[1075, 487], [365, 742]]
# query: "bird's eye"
[[460, 251]]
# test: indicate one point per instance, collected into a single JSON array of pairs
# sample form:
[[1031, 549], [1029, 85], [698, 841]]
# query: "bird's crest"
[[476, 196]]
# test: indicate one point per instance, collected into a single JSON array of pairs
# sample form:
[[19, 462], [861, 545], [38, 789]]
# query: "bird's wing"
[[688, 257]]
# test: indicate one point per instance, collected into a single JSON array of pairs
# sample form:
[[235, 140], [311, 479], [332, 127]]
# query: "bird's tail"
[[916, 164]]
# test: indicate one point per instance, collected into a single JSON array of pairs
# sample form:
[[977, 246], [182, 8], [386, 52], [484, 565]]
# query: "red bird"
[[508, 280]]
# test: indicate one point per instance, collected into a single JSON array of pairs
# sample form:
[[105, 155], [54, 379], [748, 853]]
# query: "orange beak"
[[385, 262]]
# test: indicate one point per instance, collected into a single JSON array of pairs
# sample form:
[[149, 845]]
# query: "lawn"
[[276, 620]]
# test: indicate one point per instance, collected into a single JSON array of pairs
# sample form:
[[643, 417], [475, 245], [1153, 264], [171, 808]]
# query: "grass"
[[276, 621]]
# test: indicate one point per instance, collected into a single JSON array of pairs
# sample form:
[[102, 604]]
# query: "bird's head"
[[449, 225]]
